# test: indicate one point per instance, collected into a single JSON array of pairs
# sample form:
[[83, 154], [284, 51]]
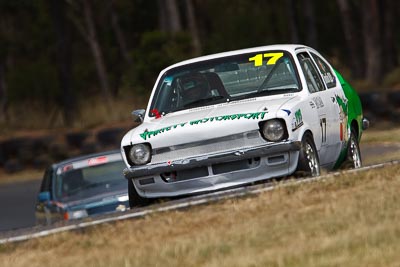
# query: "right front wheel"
[[308, 164]]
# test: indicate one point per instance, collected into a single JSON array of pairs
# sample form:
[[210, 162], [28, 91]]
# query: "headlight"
[[140, 154], [273, 130], [77, 214]]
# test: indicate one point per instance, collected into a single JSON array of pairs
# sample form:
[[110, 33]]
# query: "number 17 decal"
[[258, 59], [322, 122]]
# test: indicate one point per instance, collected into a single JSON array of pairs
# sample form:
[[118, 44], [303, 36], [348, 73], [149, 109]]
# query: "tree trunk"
[[119, 34], [3, 94], [162, 16], [390, 54], [351, 38], [292, 18], [62, 31], [193, 27], [96, 51], [371, 29], [169, 17], [311, 28]]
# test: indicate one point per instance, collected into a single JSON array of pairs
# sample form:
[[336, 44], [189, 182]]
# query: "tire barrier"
[[394, 99], [76, 139], [110, 137], [12, 166], [379, 107], [19, 153]]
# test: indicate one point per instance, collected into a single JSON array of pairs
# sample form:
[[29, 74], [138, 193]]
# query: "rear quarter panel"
[[354, 104], [355, 114]]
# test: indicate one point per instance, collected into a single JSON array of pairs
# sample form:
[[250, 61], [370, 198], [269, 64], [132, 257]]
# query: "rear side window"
[[326, 71], [314, 82]]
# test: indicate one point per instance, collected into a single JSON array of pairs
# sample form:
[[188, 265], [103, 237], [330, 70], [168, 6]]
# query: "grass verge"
[[22, 176], [381, 134], [351, 220]]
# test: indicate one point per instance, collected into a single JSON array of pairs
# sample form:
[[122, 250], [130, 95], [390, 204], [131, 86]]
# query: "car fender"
[[298, 127]]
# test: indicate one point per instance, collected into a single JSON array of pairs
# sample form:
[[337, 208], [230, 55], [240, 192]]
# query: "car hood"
[[207, 122], [108, 201]]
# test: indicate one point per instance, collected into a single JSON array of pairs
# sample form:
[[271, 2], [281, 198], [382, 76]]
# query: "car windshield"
[[89, 181], [225, 80]]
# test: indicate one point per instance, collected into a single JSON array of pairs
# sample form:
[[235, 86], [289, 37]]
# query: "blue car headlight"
[[76, 214]]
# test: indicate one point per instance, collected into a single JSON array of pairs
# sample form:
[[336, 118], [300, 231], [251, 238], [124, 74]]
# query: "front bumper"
[[267, 161], [205, 160]]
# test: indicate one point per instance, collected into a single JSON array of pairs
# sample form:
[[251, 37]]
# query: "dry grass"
[[27, 175], [347, 221], [381, 134], [91, 112]]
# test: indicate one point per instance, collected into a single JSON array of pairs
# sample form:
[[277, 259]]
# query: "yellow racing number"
[[273, 58], [257, 60]]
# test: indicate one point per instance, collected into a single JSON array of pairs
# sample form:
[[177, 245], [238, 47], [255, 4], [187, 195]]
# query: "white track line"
[[194, 201]]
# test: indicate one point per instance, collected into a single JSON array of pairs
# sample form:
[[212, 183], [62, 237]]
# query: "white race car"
[[239, 117]]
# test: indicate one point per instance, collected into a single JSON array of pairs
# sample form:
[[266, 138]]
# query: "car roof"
[[286, 47], [83, 157]]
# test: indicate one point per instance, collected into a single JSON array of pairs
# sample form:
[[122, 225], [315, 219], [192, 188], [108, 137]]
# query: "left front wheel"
[[134, 199]]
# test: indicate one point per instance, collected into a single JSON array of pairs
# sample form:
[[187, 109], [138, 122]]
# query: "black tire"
[[134, 199], [308, 164], [353, 156]]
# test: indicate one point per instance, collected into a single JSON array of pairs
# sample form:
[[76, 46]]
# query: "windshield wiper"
[[203, 100], [267, 92]]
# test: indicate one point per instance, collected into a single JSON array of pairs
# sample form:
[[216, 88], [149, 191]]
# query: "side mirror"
[[365, 124], [138, 115], [44, 196]]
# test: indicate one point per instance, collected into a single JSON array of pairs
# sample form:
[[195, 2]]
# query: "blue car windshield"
[[225, 79], [90, 181]]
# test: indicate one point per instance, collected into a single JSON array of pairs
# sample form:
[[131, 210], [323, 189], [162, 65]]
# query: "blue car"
[[81, 187]]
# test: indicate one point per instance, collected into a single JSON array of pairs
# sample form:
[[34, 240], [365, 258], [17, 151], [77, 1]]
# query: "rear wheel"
[[308, 164], [353, 156], [134, 199]]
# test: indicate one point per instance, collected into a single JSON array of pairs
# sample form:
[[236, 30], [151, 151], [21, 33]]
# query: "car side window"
[[46, 182], [325, 70], [314, 82]]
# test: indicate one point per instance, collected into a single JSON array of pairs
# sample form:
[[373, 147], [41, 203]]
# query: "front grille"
[[183, 175], [227, 167], [236, 166], [204, 147], [104, 208]]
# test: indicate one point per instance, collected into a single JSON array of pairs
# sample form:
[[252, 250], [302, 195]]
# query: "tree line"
[[64, 51]]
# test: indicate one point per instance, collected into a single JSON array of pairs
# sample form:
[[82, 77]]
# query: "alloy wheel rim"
[[312, 160], [355, 154]]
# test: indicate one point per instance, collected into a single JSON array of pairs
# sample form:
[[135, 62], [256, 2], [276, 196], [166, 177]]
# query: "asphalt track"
[[17, 201]]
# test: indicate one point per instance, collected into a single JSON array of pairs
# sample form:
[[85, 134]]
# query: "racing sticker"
[[342, 104], [297, 121], [343, 111], [318, 102], [248, 116], [273, 58]]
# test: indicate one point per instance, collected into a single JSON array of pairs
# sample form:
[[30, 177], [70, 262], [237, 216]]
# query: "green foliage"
[[241, 24], [33, 80], [156, 51]]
